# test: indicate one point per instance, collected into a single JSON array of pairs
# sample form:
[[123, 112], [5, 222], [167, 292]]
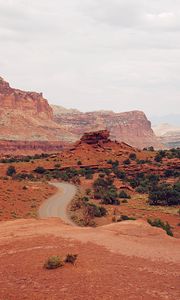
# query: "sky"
[[116, 55]]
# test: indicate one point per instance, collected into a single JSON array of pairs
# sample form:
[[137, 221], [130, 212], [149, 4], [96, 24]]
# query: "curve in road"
[[56, 206]]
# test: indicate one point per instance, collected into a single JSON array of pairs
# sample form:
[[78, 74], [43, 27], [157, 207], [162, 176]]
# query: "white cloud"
[[94, 54]]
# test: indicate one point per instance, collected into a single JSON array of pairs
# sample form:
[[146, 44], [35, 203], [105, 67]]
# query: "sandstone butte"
[[27, 116]]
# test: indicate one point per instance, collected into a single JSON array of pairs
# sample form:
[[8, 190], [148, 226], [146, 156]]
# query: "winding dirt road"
[[56, 206]]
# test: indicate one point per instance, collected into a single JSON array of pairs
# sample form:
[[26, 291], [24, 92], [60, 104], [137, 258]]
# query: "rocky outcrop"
[[29, 102], [95, 137], [131, 127]]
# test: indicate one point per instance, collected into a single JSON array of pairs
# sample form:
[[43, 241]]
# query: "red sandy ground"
[[129, 260], [17, 202]]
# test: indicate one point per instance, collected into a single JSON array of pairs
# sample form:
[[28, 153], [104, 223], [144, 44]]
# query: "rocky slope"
[[168, 135], [130, 127]]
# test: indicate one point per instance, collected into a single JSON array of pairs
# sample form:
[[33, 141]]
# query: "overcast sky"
[[94, 54]]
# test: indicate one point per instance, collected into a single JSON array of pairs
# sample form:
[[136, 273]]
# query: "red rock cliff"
[[131, 127], [28, 102]]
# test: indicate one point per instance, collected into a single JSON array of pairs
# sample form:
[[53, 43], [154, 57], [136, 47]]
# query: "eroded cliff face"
[[131, 127], [27, 116], [29, 102]]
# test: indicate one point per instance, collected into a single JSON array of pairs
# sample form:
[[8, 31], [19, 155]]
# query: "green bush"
[[40, 170], [126, 162], [132, 156], [123, 194], [96, 211], [161, 224], [106, 191], [54, 262], [120, 174], [71, 258], [57, 165], [165, 194], [126, 218], [11, 171]]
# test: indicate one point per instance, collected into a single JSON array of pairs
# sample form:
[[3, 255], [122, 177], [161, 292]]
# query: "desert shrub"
[[114, 164], [79, 163], [94, 210], [126, 162], [165, 194], [153, 178], [133, 182], [123, 194], [140, 161], [88, 192], [85, 199], [40, 170], [120, 174], [106, 191], [132, 156], [23, 176], [54, 262], [151, 148], [89, 176], [71, 258], [124, 201], [159, 223], [143, 183], [106, 171], [141, 189], [174, 153], [86, 172], [125, 218], [57, 165], [171, 173], [158, 158], [11, 171]]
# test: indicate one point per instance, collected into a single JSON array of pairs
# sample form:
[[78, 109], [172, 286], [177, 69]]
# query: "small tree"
[[40, 170], [123, 194], [126, 162], [11, 171], [132, 156]]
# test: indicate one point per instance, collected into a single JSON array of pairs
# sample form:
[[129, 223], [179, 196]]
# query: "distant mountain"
[[27, 116], [130, 127], [168, 135]]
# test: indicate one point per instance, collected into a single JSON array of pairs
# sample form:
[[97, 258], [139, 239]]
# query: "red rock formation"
[[28, 102], [95, 137], [24, 147], [131, 127], [27, 116]]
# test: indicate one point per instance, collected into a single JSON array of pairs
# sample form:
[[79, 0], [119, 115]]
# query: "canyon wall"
[[130, 127], [27, 116]]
